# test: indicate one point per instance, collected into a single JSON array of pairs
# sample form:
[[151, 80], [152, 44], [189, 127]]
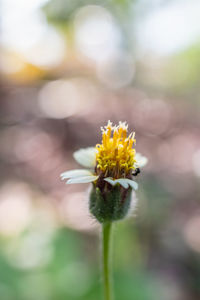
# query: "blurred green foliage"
[[62, 11], [70, 273]]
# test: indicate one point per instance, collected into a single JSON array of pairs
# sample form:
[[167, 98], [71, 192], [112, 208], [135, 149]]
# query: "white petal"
[[115, 181], [75, 173], [83, 179], [132, 184], [110, 180], [141, 160], [125, 182], [86, 157]]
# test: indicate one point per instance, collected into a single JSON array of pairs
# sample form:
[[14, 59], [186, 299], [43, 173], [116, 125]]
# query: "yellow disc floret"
[[115, 156]]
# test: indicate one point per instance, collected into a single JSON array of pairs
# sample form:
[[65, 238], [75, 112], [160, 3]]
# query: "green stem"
[[106, 235]]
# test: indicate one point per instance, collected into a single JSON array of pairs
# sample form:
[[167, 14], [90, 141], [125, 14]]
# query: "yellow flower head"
[[115, 157]]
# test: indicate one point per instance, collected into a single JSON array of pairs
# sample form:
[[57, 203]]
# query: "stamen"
[[104, 138], [115, 155], [115, 136]]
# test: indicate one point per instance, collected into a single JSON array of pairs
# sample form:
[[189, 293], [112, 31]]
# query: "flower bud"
[[109, 203]]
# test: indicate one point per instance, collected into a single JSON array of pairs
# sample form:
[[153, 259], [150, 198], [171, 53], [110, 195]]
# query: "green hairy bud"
[[110, 203]]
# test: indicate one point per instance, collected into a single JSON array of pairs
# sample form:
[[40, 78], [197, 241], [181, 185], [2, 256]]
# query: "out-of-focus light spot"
[[33, 144], [58, 99], [116, 72], [196, 163], [38, 43], [165, 30], [30, 251], [48, 51], [22, 6], [191, 233], [15, 208], [39, 150], [96, 33], [63, 98], [74, 212]]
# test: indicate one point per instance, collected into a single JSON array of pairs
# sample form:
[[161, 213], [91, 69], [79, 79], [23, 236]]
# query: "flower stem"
[[106, 247]]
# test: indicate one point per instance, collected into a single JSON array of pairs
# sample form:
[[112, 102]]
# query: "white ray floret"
[[83, 179], [141, 161], [75, 173], [132, 183], [86, 157], [125, 182]]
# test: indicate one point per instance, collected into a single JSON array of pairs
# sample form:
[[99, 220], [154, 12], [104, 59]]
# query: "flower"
[[113, 161], [111, 168]]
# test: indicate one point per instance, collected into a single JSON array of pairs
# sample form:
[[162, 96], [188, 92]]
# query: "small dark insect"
[[136, 172]]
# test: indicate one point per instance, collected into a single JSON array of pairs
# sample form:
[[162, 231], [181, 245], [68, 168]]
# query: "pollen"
[[116, 156]]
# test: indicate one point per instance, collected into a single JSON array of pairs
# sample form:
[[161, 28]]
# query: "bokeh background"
[[67, 66]]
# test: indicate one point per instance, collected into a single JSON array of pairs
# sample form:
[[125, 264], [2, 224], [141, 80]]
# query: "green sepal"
[[110, 205]]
